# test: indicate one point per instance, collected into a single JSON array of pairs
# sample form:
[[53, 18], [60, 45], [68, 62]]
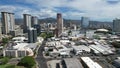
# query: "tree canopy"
[[46, 35], [27, 61]]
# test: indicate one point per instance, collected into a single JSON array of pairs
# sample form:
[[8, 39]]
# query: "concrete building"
[[27, 22], [71, 63], [84, 22], [34, 21], [38, 28], [103, 49], [116, 25], [18, 31], [0, 27], [8, 22], [15, 53], [32, 35], [59, 24], [81, 49], [0, 30], [18, 50], [89, 34], [18, 39]]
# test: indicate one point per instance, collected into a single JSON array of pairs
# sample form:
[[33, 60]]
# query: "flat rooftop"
[[72, 63], [90, 63]]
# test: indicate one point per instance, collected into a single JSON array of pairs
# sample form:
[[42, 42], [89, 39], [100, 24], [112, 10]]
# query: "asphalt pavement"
[[42, 62]]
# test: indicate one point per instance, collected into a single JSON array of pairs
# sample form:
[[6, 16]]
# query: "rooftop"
[[90, 62], [73, 63]]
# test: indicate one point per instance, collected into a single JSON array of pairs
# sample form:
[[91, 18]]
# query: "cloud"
[[7, 8], [19, 11], [74, 9]]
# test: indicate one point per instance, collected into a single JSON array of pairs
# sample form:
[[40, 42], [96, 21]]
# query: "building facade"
[[32, 35], [8, 22], [34, 21], [38, 28], [84, 22], [116, 25], [59, 24], [15, 53], [27, 22]]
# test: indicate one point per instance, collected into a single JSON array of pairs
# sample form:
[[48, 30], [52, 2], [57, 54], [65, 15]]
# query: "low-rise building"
[[116, 63], [80, 49], [19, 50], [71, 63], [89, 63]]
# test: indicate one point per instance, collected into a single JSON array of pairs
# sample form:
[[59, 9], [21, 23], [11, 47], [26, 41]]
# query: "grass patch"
[[5, 66], [10, 66]]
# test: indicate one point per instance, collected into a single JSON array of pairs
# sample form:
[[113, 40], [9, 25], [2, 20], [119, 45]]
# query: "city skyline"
[[100, 10]]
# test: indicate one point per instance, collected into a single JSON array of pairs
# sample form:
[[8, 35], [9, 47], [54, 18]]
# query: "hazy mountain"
[[93, 24], [19, 21]]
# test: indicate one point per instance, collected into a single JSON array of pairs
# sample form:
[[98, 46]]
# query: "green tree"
[[44, 35], [27, 61], [5, 40], [49, 35]]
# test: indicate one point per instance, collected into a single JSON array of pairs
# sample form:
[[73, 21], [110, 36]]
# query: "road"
[[42, 62]]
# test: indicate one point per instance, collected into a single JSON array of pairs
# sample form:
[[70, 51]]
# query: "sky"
[[101, 10]]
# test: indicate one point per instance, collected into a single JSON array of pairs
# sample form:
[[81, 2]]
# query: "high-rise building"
[[27, 22], [38, 28], [116, 25], [59, 24], [0, 28], [84, 22], [32, 35], [8, 22], [34, 21]]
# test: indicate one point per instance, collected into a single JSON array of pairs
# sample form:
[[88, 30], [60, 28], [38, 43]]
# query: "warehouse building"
[[89, 63], [71, 63]]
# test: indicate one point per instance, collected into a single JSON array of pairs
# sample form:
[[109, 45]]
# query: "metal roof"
[[72, 63], [90, 63]]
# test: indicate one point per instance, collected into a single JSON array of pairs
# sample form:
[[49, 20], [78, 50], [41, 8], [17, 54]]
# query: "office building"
[[59, 24], [38, 28], [34, 20], [27, 22], [8, 22], [116, 25], [0, 28], [18, 31], [84, 22], [32, 35]]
